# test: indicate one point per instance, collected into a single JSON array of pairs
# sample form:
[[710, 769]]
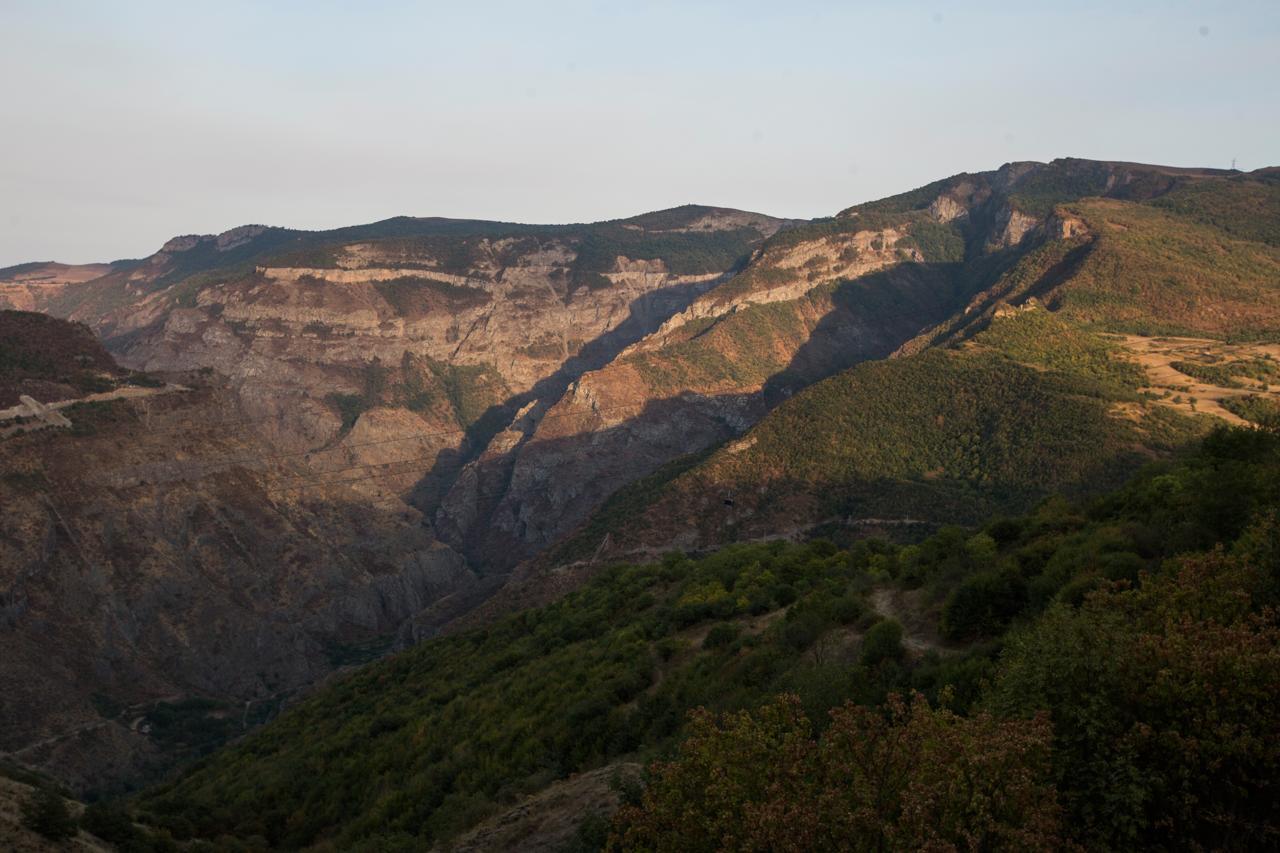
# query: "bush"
[[846, 610], [110, 822], [802, 629], [984, 604], [46, 813], [721, 635], [883, 642], [1159, 698]]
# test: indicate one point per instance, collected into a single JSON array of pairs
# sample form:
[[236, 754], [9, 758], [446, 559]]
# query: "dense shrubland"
[[1108, 677]]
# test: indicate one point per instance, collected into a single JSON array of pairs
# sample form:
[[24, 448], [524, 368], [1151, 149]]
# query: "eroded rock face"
[[233, 545], [624, 421], [1013, 226], [163, 553], [392, 361]]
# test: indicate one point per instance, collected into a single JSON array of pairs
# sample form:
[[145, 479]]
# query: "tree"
[[883, 642], [908, 777], [1163, 702]]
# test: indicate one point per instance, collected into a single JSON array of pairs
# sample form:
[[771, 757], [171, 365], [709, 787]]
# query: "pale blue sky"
[[122, 124]]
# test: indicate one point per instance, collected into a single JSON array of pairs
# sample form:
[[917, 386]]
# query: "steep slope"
[[896, 275], [416, 749], [1040, 399], [46, 359], [509, 378], [31, 286], [178, 563], [15, 837], [707, 374], [168, 576], [432, 331]]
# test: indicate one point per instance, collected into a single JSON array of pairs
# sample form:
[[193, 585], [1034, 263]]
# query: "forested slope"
[[1135, 625]]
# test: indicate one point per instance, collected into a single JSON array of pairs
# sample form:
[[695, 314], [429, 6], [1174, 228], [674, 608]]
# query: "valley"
[[291, 507]]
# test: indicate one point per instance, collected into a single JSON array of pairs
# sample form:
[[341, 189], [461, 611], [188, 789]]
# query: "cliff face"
[[168, 577], [508, 378], [174, 568], [792, 316], [418, 338], [1078, 352]]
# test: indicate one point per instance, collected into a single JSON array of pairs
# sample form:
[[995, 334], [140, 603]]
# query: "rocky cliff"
[[168, 576]]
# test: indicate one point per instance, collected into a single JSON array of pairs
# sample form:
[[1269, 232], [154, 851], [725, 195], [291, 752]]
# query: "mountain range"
[[541, 466]]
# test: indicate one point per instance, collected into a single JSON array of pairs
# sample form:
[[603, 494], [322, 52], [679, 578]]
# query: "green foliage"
[[1041, 338], [721, 635], [950, 434], [917, 199], [1230, 374], [1150, 271], [1063, 180], [1159, 698], [684, 252], [88, 418], [883, 642], [194, 726], [471, 391], [112, 823], [739, 350], [1245, 207], [1214, 374], [411, 750], [623, 505], [914, 779], [1263, 411], [350, 407], [39, 354], [937, 242], [984, 603], [465, 724], [45, 812], [416, 296]]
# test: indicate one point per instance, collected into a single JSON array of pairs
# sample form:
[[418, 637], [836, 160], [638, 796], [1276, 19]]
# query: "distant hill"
[[50, 359]]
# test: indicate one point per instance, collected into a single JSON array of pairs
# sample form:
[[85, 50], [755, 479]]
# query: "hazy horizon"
[[130, 123]]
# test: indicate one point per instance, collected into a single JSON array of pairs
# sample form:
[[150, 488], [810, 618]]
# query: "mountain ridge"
[[526, 407]]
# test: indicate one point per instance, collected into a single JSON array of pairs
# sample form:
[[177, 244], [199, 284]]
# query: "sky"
[[125, 123]]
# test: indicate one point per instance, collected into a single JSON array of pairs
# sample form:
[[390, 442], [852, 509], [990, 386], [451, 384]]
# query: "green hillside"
[[1153, 271], [983, 413], [1032, 405], [418, 747]]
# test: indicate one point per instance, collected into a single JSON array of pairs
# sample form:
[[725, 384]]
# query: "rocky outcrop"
[[623, 422], [1012, 225], [788, 273]]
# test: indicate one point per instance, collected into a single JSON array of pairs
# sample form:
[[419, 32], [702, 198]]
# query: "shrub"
[[883, 642], [1158, 697], [721, 635], [846, 610], [110, 822], [984, 603], [46, 813]]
